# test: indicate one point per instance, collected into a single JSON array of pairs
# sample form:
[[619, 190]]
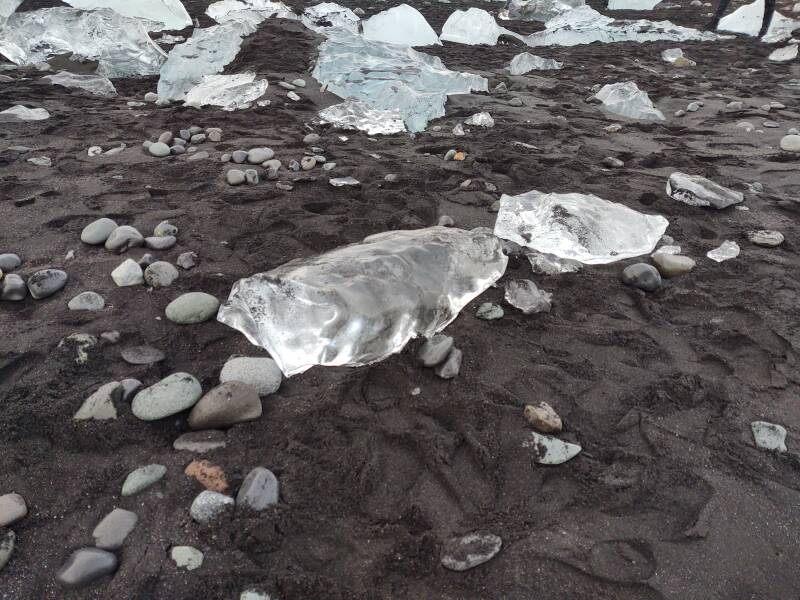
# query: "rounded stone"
[[159, 149], [12, 509], [208, 506], [157, 242], [97, 232], [272, 165], [7, 541], [129, 388], [307, 163], [435, 350], [194, 307], [165, 229], [543, 418], [251, 176], [111, 532], [260, 373], [187, 260], [142, 355], [311, 138], [122, 238], [235, 177], [13, 288], [210, 476], [46, 283], [127, 274], [160, 274], [260, 489], [239, 156], [256, 156], [672, 265], [87, 301], [85, 566], [643, 276], [142, 478], [790, 143], [227, 404], [766, 237], [9, 262], [168, 397], [186, 557]]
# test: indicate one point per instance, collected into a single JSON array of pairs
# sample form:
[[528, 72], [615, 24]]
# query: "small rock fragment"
[[208, 506], [187, 557], [259, 490], [543, 418], [435, 350], [85, 566], [111, 532], [643, 276], [469, 551], [209, 475], [142, 478]]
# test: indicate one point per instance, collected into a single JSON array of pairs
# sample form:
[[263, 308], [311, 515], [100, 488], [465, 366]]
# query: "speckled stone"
[[208, 506], [171, 395]]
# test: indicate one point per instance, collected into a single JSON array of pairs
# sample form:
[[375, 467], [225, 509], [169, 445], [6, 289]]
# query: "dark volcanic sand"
[[669, 499]]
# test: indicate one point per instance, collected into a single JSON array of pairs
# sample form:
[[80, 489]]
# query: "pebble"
[[450, 154], [200, 441], [209, 475], [85, 566], [12, 509], [307, 163], [198, 138], [194, 130], [251, 176], [208, 505], [735, 105], [260, 373], [47, 282], [515, 101], [543, 418], [446, 221], [162, 102], [166, 137], [693, 107], [191, 308], [214, 134], [251, 593], [293, 96], [766, 237], [97, 232], [643, 276], [235, 177], [771, 124], [171, 395], [146, 260], [142, 355], [9, 262], [123, 238], [311, 138], [160, 274], [41, 161], [769, 436], [187, 260], [299, 83], [294, 165], [240, 156], [259, 490], [285, 186], [129, 388], [179, 142], [672, 265], [185, 134], [142, 478], [286, 85], [680, 113], [100, 405], [745, 125], [613, 163], [256, 156], [330, 166], [6, 547], [435, 350], [111, 532], [548, 450], [793, 131], [489, 311], [127, 274], [469, 551], [227, 404], [187, 557], [790, 143], [150, 97], [202, 155], [177, 150], [343, 181], [87, 301], [159, 149], [451, 366], [272, 165], [157, 242]]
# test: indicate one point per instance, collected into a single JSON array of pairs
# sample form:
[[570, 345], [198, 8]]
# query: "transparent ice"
[[539, 10], [481, 119], [120, 44], [726, 251], [699, 191], [248, 12], [580, 227], [632, 4], [207, 52], [343, 181], [473, 26], [355, 114], [402, 25], [675, 56], [388, 76], [170, 13], [94, 84], [231, 92], [361, 303], [549, 264], [524, 295], [525, 62], [747, 20], [23, 113], [627, 100], [329, 15]]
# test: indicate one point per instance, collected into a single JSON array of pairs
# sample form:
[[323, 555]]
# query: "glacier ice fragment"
[[747, 20], [784, 54], [355, 114], [402, 25], [525, 62], [231, 92], [524, 295], [23, 113], [248, 12], [481, 119], [632, 4], [473, 26], [94, 84], [169, 13], [726, 251], [539, 10], [325, 16], [627, 100], [699, 191]]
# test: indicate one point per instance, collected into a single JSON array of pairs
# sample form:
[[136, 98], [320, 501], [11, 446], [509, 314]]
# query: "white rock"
[[548, 450], [187, 557], [769, 436], [260, 373], [128, 273]]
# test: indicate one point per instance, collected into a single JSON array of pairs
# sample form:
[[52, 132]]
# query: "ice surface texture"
[[402, 25], [576, 226], [248, 12], [473, 26], [23, 113], [747, 20], [388, 76], [627, 100], [361, 303], [231, 92], [355, 114], [632, 4], [525, 62], [699, 191], [120, 44], [539, 10], [94, 84], [170, 13], [325, 16]]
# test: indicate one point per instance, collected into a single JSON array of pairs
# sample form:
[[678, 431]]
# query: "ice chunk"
[[329, 15], [524, 295], [627, 100], [549, 450], [361, 303], [539, 10], [94, 84], [727, 250], [769, 436], [23, 113], [578, 227], [343, 181], [231, 92], [548, 264], [699, 191], [248, 12], [355, 114], [120, 44], [207, 52], [584, 25], [170, 13], [388, 76], [632, 4], [7, 8], [402, 25], [784, 54], [675, 56], [525, 62], [481, 119], [747, 20], [473, 26]]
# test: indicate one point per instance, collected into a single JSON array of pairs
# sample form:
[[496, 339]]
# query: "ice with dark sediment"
[[355, 114], [474, 26], [538, 10], [360, 303], [580, 227], [402, 25], [747, 20], [525, 62], [327, 16], [695, 190], [249, 12], [94, 84], [231, 92], [389, 76], [627, 100], [171, 14], [120, 44]]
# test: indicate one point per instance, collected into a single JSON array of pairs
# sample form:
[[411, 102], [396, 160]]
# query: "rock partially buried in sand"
[[209, 475], [200, 441], [548, 450], [191, 308], [261, 373], [769, 436], [123, 238], [169, 396], [543, 418], [227, 404], [790, 143], [489, 311], [208, 506], [142, 478], [672, 265], [142, 355], [187, 557], [100, 405], [160, 274], [13, 288], [6, 548], [435, 350], [97, 232], [12, 509], [91, 301], [260, 489], [643, 276], [111, 532], [451, 366], [85, 566], [469, 551], [128, 274], [47, 282], [766, 237]]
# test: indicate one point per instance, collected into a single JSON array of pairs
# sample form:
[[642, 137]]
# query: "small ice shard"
[[747, 20], [699, 191], [388, 77], [627, 100], [675, 56], [23, 113], [578, 227], [207, 52], [469, 551], [549, 264], [784, 54], [231, 92], [525, 62], [549, 450], [343, 181], [94, 84], [355, 114], [402, 25], [539, 10], [329, 15], [119, 44], [473, 26], [769, 436], [726, 251], [481, 119], [170, 13], [524, 295], [248, 12], [632, 4], [358, 304]]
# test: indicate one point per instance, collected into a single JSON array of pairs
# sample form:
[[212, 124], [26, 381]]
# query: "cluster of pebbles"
[[185, 142], [42, 284]]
